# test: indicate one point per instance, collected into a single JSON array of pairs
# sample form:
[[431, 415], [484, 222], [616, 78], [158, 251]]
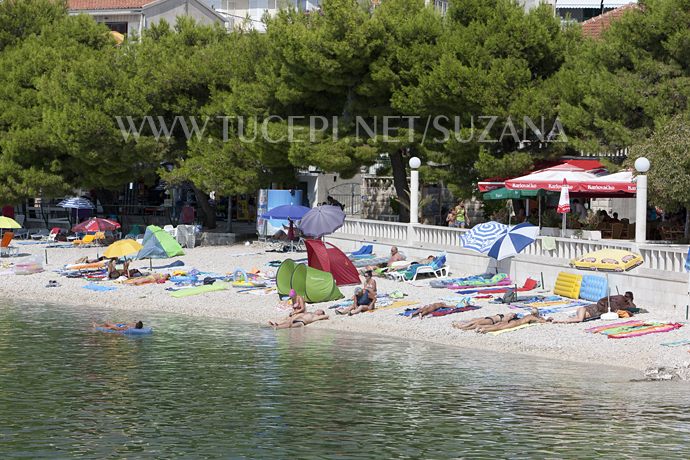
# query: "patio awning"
[[506, 194], [579, 181]]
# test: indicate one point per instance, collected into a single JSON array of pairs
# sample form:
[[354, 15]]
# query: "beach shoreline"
[[551, 341]]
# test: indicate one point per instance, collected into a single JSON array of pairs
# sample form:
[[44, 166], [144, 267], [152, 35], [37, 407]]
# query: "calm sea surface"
[[217, 389]]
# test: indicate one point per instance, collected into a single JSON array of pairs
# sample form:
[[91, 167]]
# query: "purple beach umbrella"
[[322, 220]]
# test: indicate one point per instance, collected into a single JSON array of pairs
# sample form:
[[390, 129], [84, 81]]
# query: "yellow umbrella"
[[608, 260], [6, 222], [122, 248]]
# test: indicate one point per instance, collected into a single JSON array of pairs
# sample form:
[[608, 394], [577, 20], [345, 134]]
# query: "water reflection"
[[235, 390]]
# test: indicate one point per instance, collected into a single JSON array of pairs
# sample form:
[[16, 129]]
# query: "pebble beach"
[[566, 342]]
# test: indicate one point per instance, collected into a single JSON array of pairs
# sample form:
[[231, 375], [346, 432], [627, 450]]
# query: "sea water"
[[209, 388]]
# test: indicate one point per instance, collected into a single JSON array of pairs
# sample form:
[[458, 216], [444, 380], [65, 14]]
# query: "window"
[[120, 27]]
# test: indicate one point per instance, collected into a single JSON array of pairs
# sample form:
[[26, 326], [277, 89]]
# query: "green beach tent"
[[159, 244], [312, 284]]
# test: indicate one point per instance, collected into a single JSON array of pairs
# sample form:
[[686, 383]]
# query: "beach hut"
[[326, 257], [158, 244]]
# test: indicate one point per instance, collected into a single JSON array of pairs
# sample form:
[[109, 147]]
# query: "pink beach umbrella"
[[564, 203]]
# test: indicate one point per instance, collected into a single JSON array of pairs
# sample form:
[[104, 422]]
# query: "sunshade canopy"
[[96, 224], [287, 211], [514, 241], [507, 194], [159, 244], [483, 236], [122, 248], [76, 203], [8, 222], [322, 220]]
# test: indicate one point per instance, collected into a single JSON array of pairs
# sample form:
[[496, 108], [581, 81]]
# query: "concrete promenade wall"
[[659, 284]]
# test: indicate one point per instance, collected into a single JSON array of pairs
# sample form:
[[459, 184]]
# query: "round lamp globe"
[[415, 163], [642, 165]]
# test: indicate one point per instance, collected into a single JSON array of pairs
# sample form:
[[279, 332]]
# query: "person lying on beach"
[[429, 309], [474, 323], [120, 327], [113, 273], [299, 320], [299, 306], [533, 317], [593, 311], [148, 279]]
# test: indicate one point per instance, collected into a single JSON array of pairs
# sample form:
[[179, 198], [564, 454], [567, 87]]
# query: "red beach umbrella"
[[96, 224]]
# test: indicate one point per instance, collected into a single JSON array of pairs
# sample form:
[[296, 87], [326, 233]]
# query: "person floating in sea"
[[364, 298], [532, 318], [593, 311], [120, 326], [474, 323], [299, 320]]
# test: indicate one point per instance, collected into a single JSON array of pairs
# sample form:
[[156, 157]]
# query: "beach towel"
[[522, 326], [548, 243], [633, 328], [483, 280], [450, 311], [529, 285], [98, 287], [396, 304], [677, 343]]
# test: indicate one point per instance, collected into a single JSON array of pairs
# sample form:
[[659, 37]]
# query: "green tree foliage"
[[668, 151], [20, 19]]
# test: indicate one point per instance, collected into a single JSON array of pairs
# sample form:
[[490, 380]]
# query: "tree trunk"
[[687, 222], [229, 214], [402, 188], [208, 217]]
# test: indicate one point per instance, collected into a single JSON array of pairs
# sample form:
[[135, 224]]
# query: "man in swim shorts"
[[474, 323], [429, 309], [120, 327], [362, 300], [299, 320], [593, 311]]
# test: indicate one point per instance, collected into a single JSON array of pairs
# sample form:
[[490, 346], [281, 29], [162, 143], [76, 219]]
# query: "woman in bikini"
[[533, 317], [486, 321], [299, 320]]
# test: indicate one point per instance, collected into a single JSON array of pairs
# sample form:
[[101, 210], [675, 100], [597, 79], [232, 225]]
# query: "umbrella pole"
[[539, 201], [563, 227]]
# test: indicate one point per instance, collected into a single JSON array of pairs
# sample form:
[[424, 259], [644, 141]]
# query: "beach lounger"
[[436, 267], [5, 248], [365, 250]]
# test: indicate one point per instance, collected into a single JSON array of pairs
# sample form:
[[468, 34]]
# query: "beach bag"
[[510, 296]]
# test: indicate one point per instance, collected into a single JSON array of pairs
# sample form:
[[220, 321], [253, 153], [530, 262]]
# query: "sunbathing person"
[[299, 306], [532, 318], [395, 256], [593, 311], [474, 323], [148, 279], [114, 273], [429, 309], [299, 320], [120, 326]]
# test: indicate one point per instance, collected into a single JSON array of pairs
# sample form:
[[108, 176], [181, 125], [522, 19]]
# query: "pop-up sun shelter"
[[326, 257], [312, 284], [159, 244]]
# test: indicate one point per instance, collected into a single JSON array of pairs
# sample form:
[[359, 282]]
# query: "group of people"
[[458, 217], [298, 316]]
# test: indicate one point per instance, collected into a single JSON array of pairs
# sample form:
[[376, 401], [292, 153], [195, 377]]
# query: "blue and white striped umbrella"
[[514, 241], [76, 203], [483, 236]]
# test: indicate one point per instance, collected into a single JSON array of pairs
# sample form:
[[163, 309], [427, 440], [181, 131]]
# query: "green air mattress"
[[217, 286]]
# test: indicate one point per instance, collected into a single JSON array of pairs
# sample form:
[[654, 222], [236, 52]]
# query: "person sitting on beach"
[[474, 323], [364, 298], [395, 256], [299, 320], [532, 318], [426, 310], [593, 311], [120, 326], [299, 306], [113, 272]]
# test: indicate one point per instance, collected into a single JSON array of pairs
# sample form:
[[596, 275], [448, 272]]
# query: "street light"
[[414, 163], [642, 166]]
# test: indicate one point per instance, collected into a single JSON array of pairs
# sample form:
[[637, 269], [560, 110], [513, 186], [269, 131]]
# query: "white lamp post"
[[414, 163], [642, 166]]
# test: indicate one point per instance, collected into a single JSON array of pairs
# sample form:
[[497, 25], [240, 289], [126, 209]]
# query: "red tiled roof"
[[106, 4], [595, 26]]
